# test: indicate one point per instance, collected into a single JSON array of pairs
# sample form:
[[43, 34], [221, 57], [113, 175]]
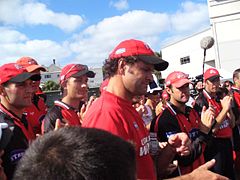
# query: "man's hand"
[[181, 143], [140, 110], [202, 172], [59, 124], [85, 108], [226, 102], [207, 119]]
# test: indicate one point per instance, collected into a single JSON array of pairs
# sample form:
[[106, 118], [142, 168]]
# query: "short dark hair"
[[76, 153], [227, 83], [110, 65]]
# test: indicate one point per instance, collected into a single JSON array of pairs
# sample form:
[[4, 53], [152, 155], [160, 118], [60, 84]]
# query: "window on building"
[[185, 60], [47, 76]]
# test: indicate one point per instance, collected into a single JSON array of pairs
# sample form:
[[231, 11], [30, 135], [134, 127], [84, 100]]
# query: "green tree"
[[51, 86]]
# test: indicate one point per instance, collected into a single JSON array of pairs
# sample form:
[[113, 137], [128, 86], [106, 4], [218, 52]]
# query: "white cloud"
[[92, 45], [11, 36], [120, 5], [189, 17], [19, 12], [95, 43], [43, 50]]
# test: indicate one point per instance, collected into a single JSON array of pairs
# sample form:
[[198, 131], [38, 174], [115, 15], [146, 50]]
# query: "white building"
[[186, 55], [97, 80], [225, 20], [52, 74]]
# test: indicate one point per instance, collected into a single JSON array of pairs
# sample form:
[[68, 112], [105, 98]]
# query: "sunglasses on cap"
[[36, 77]]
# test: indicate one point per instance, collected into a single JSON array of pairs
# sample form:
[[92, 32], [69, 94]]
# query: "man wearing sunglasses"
[[37, 111]]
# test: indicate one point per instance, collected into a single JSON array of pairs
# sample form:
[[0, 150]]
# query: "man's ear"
[[2, 90], [168, 90], [64, 85], [121, 66]]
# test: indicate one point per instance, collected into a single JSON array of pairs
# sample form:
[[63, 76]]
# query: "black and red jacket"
[[22, 134], [204, 99], [172, 121], [62, 111], [36, 113]]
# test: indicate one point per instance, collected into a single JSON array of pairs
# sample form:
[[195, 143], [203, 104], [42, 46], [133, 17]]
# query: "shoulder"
[[165, 116], [5, 118], [53, 113]]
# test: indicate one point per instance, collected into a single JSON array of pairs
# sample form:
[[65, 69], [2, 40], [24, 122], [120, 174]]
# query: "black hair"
[[111, 65], [75, 153]]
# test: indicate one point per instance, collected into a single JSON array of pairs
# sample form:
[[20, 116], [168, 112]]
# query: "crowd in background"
[[174, 131]]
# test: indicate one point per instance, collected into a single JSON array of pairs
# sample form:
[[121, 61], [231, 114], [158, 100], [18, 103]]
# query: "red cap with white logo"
[[211, 73]]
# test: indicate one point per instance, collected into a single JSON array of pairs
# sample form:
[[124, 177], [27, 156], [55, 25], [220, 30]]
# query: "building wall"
[[188, 47], [225, 20], [50, 76], [97, 80], [224, 55]]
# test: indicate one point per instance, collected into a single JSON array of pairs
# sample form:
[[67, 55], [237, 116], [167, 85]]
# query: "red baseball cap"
[[75, 70], [140, 49], [13, 72], [177, 78], [30, 64], [211, 74]]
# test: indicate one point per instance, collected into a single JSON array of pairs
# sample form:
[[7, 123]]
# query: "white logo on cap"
[[212, 71], [120, 51], [17, 66], [147, 46], [168, 83]]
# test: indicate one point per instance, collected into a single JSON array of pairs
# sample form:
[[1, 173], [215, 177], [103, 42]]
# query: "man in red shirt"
[[129, 68], [73, 80], [220, 146], [36, 112]]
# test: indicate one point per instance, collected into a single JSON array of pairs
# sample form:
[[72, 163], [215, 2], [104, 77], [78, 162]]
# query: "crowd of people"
[[134, 130]]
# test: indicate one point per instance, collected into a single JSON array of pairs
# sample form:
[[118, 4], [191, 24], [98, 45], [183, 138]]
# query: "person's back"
[[78, 154]]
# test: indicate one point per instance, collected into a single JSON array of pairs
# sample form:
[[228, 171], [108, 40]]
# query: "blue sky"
[[85, 31]]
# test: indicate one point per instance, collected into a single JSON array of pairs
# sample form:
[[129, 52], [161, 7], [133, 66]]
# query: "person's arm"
[[201, 173], [226, 105], [177, 144], [207, 119], [164, 159]]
